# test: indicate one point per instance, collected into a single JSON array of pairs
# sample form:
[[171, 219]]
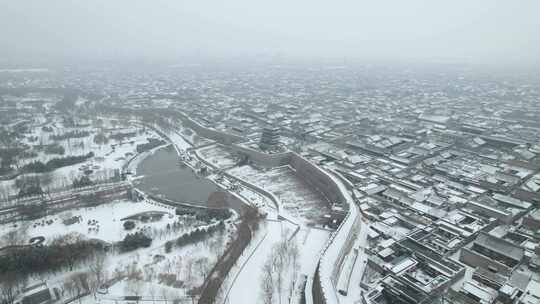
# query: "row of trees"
[[198, 235], [205, 215], [11, 284], [151, 144], [9, 158], [100, 139], [44, 183], [61, 253], [283, 259], [54, 149], [82, 181], [29, 186], [122, 136], [211, 289], [75, 286], [55, 163], [134, 241], [71, 134]]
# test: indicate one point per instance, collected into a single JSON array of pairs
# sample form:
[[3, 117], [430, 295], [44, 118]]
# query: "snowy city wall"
[[324, 285], [308, 171], [318, 178], [213, 134], [263, 159]]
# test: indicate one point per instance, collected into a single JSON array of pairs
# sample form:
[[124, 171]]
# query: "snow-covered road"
[[247, 286]]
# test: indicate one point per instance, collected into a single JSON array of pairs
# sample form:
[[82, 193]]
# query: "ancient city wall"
[[263, 159], [213, 134], [308, 171], [317, 177]]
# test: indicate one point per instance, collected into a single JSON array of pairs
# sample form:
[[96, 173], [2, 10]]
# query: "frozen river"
[[165, 177]]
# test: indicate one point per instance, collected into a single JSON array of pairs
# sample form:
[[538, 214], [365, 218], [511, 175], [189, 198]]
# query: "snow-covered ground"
[[218, 156], [251, 196], [247, 287], [107, 157], [188, 264], [107, 226], [298, 198], [310, 242], [178, 139]]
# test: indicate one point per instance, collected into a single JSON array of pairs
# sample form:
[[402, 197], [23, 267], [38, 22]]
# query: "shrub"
[[100, 139], [151, 144], [205, 215], [198, 235], [55, 149], [55, 163], [134, 241], [168, 246], [72, 134], [128, 225], [83, 181]]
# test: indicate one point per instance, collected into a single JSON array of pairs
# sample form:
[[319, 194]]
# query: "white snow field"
[[107, 227], [298, 198]]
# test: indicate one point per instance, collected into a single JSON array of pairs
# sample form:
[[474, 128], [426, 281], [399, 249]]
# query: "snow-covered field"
[[299, 199], [107, 226], [218, 156], [142, 268]]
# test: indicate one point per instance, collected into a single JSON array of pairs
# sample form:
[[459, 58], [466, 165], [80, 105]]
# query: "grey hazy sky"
[[483, 31]]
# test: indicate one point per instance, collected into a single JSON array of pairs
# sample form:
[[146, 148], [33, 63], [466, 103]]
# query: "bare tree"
[[149, 272], [10, 285], [215, 247], [70, 256], [69, 286], [178, 267], [152, 291], [189, 270], [46, 180], [222, 291], [97, 268], [268, 282], [132, 272], [4, 194], [15, 237], [164, 294], [278, 263], [202, 266], [78, 284]]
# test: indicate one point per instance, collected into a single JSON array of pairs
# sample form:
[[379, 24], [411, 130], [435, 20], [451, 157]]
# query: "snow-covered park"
[[103, 222], [110, 155]]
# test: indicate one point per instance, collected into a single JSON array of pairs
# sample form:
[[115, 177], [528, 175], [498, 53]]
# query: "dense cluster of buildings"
[[446, 166]]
